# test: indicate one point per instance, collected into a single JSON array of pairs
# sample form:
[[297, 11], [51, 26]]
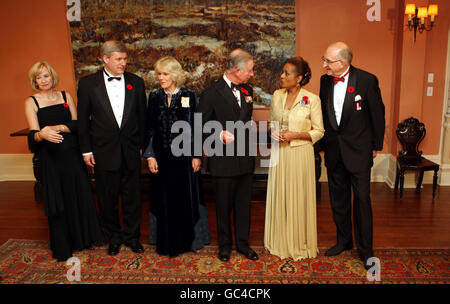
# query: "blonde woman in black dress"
[[68, 201], [178, 214]]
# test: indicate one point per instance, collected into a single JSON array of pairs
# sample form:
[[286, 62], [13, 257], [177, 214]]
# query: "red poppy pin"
[[66, 105], [244, 91], [129, 87], [351, 89], [305, 100]]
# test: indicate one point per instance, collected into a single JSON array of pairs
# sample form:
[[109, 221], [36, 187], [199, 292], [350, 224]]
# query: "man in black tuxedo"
[[111, 118], [230, 100], [354, 130]]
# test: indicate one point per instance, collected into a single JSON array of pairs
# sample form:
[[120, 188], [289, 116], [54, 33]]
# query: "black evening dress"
[[67, 195], [178, 214]]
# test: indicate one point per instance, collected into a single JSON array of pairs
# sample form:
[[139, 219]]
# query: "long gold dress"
[[290, 224]]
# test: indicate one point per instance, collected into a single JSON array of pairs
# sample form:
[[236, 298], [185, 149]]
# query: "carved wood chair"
[[410, 133]]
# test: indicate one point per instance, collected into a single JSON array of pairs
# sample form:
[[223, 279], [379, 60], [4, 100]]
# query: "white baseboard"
[[444, 175], [392, 169], [380, 168], [16, 167]]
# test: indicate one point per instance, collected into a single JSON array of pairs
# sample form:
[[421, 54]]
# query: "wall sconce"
[[417, 15]]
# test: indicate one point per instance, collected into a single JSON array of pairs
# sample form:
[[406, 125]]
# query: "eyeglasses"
[[328, 61]]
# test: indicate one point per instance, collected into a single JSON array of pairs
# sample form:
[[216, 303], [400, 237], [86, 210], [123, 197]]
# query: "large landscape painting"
[[198, 33]]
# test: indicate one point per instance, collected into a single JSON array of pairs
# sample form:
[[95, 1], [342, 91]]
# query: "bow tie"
[[111, 78], [337, 79], [342, 78], [235, 86]]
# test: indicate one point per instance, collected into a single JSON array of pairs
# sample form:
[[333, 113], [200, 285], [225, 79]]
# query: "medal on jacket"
[[185, 102], [358, 103], [248, 99], [305, 101]]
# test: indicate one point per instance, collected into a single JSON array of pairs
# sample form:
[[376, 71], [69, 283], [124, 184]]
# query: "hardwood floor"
[[415, 221]]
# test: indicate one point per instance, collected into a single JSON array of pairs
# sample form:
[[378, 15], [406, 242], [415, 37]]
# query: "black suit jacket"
[[97, 126], [218, 103], [360, 131]]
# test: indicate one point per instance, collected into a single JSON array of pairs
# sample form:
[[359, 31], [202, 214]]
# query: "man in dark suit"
[[230, 100], [354, 130], [111, 118]]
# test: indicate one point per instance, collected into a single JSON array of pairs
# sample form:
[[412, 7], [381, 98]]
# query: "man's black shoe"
[[249, 254], [224, 255], [365, 259], [337, 249], [113, 249], [135, 246]]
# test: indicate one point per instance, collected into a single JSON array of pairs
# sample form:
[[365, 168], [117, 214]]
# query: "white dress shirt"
[[340, 88], [236, 93], [116, 93]]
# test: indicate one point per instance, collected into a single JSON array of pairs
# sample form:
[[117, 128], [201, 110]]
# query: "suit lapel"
[[129, 93], [349, 97], [283, 99], [297, 100], [225, 91], [102, 94], [330, 104]]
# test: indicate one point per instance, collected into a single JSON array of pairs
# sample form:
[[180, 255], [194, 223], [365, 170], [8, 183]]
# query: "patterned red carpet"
[[30, 262]]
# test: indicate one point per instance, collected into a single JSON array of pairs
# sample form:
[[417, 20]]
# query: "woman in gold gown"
[[296, 121]]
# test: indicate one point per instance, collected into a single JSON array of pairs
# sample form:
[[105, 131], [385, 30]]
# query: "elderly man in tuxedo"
[[230, 99], [353, 116], [111, 118]]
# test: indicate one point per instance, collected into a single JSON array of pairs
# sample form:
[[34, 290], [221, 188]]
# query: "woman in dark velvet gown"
[[178, 215], [69, 205]]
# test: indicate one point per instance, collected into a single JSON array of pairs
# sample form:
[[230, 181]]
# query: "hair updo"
[[302, 68]]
